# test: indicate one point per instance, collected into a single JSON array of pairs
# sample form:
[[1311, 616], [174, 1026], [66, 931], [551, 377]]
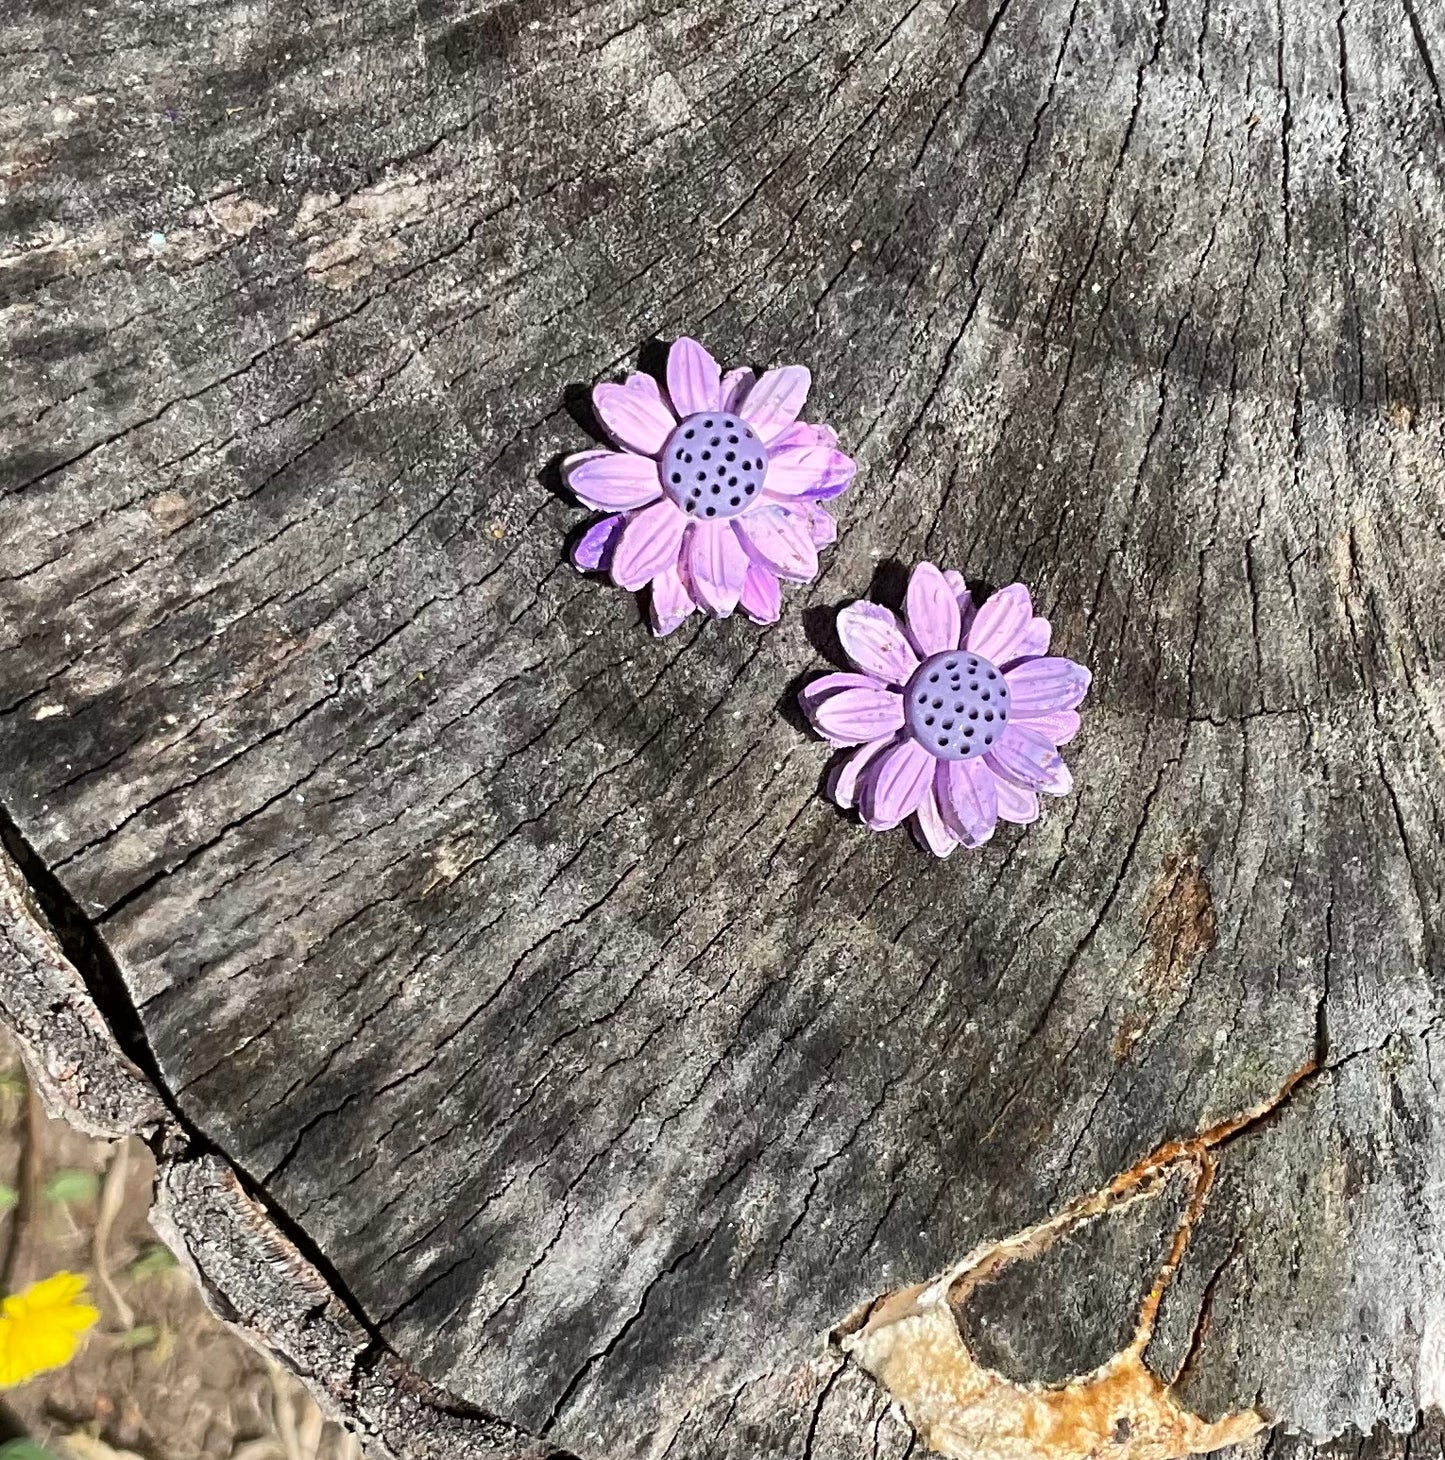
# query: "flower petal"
[[821, 527], [717, 566], [999, 626], [650, 542], [1015, 804], [1028, 760], [609, 480], [966, 607], [693, 379], [40, 1327], [803, 470], [968, 798], [1058, 726], [640, 381], [761, 598], [805, 433], [1037, 686], [895, 784], [843, 778], [593, 550], [632, 418], [932, 612], [875, 642], [772, 405], [735, 386], [827, 684], [671, 602], [836, 481], [1034, 641], [929, 829], [854, 715], [778, 538]]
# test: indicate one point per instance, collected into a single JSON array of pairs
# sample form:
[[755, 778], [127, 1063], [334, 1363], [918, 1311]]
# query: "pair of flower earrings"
[[957, 712]]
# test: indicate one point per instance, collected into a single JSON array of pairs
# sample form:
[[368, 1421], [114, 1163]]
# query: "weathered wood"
[[509, 953]]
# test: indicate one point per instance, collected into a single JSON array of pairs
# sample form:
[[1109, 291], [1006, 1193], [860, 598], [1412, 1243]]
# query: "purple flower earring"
[[715, 494], [958, 712]]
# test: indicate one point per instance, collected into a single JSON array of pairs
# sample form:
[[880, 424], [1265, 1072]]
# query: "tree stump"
[[533, 1058]]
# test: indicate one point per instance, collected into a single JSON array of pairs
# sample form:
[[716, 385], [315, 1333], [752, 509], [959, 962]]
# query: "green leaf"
[[24, 1450], [9, 1200], [141, 1336], [152, 1260], [72, 1186]]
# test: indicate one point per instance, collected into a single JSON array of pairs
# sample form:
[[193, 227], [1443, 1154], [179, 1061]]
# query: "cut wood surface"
[[505, 958]]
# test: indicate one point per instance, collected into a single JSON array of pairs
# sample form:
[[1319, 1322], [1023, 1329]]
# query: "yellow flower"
[[40, 1327]]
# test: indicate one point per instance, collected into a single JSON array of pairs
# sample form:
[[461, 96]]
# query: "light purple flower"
[[716, 492], [957, 713]]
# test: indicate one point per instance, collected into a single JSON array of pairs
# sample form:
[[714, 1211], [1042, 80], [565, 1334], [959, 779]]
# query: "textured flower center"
[[956, 705], [713, 465]]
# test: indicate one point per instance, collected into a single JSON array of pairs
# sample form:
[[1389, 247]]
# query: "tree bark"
[[533, 1057]]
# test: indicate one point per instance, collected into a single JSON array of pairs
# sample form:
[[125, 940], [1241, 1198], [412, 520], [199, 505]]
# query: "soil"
[[159, 1376]]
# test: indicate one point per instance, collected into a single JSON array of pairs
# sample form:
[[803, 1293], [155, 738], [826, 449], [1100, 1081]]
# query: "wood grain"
[[508, 952]]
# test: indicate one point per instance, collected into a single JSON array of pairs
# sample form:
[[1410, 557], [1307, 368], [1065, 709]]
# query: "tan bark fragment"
[[910, 1342]]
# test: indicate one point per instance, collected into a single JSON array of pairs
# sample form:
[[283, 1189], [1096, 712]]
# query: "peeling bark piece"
[[507, 956], [968, 1412], [916, 1342]]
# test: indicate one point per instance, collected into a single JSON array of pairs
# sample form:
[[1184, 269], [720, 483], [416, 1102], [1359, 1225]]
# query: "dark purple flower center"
[[713, 465], [956, 705]]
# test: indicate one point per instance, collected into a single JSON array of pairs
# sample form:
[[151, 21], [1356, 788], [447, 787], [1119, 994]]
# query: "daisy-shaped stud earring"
[[715, 493], [957, 713]]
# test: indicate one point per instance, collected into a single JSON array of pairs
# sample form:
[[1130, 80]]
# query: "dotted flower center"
[[956, 705], [713, 465]]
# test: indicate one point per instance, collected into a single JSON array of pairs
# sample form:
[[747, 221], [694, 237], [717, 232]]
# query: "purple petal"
[[837, 479], [633, 419], [761, 598], [779, 539], [806, 470], [612, 480], [931, 610], [821, 528], [843, 778], [1001, 623], [640, 381], [693, 379], [671, 602], [1015, 804], [968, 798], [772, 405], [896, 784], [929, 829], [1030, 761], [966, 607], [874, 641], [735, 386], [1037, 686], [827, 684], [1034, 641], [854, 715], [1058, 726], [717, 566], [592, 551], [803, 434], [650, 543]]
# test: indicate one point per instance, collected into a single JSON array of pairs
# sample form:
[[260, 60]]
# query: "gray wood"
[[507, 954]]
